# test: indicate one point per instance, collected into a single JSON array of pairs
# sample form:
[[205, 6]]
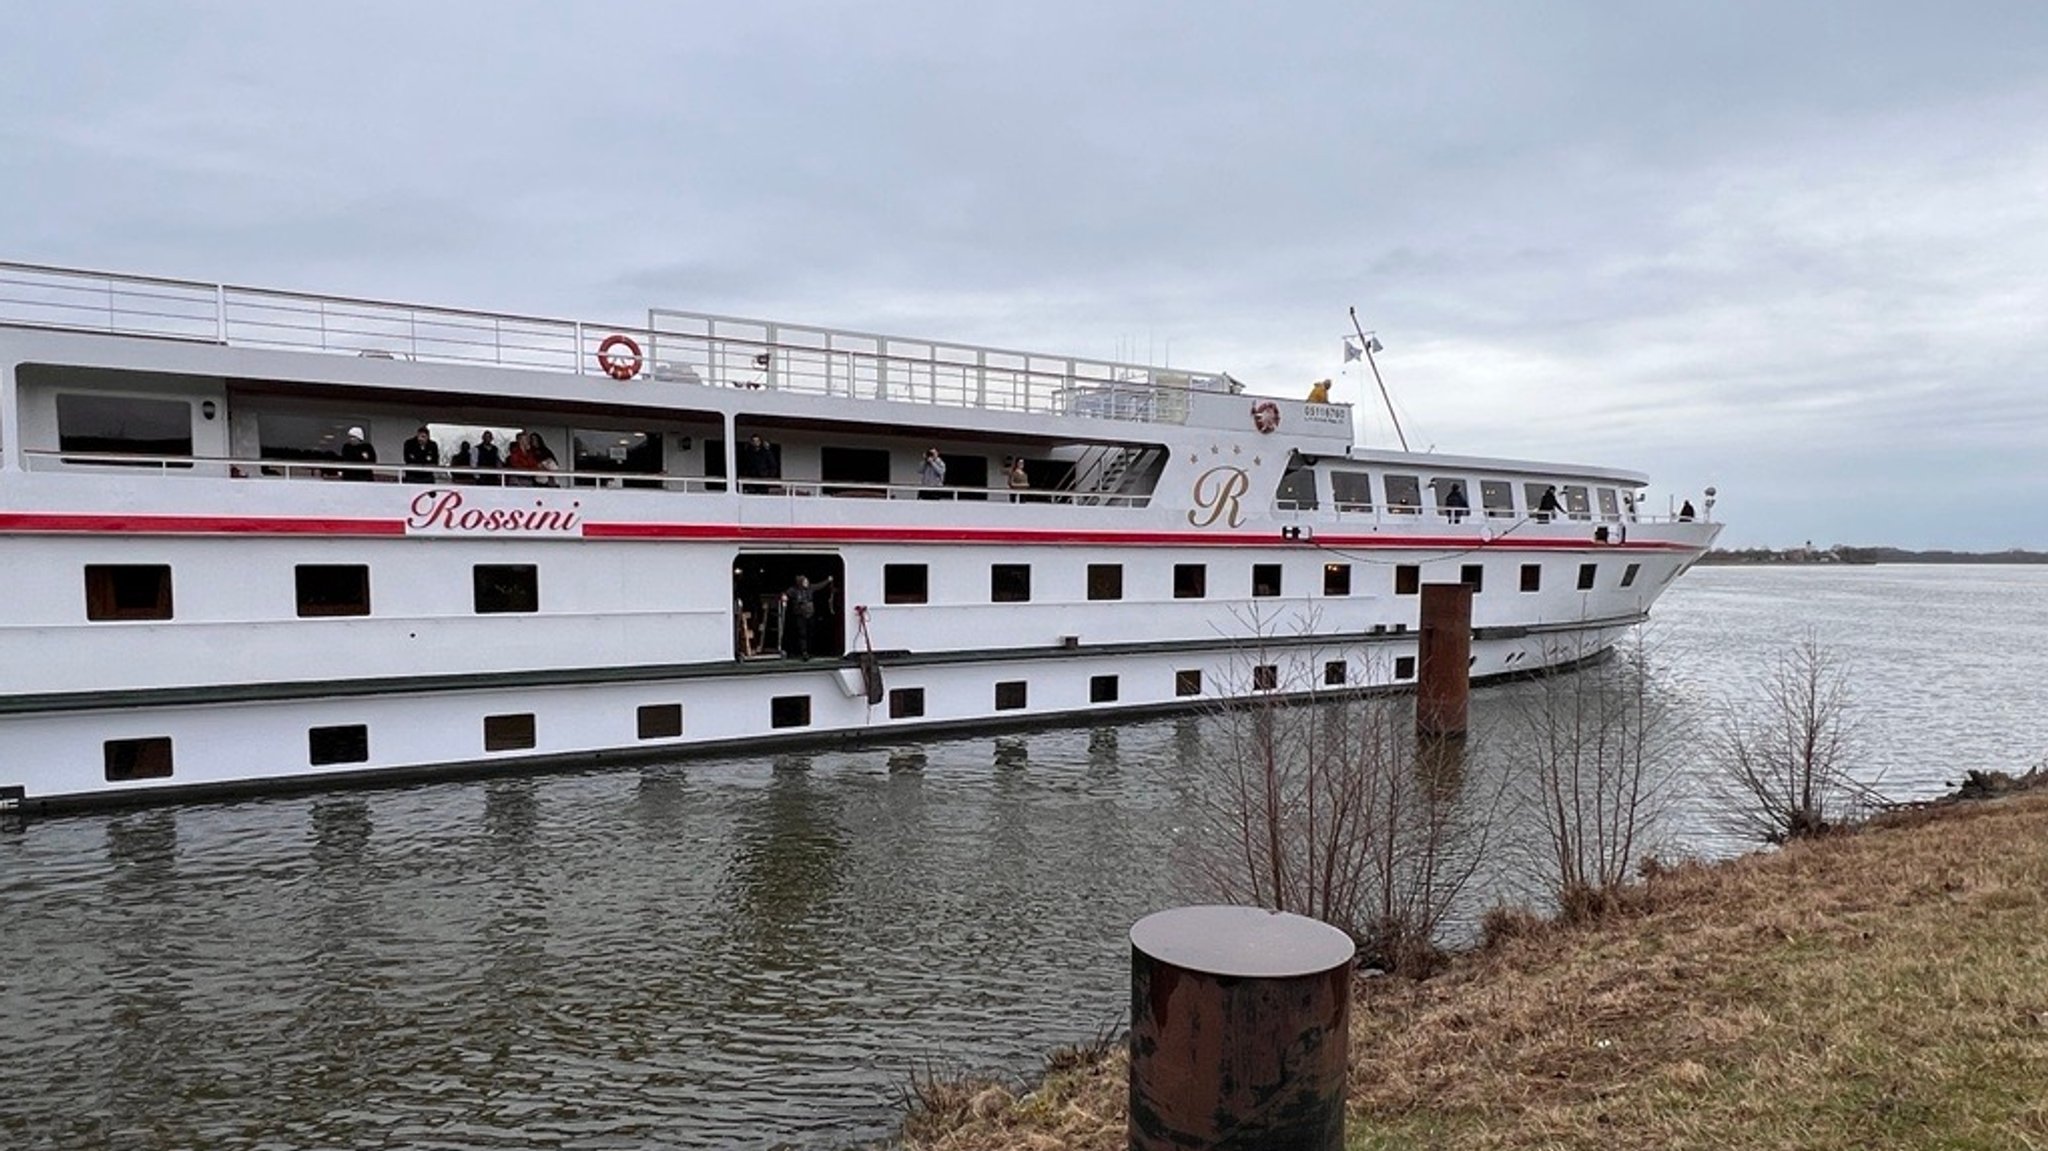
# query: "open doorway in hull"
[[764, 628]]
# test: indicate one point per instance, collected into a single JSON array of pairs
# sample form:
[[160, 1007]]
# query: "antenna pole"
[[1366, 345]]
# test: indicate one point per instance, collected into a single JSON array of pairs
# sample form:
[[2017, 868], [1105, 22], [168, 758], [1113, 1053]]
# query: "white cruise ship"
[[228, 570]]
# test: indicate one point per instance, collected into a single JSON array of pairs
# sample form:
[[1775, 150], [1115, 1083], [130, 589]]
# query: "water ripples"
[[743, 952]]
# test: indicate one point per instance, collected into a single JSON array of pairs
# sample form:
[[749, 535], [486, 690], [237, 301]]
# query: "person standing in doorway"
[[931, 475], [1019, 479], [800, 611]]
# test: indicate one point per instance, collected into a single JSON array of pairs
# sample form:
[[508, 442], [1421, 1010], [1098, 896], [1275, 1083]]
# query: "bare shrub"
[[1785, 758], [1320, 804], [1593, 747]]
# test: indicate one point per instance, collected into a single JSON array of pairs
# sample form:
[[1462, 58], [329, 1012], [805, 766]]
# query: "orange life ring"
[[619, 367], [1265, 415]]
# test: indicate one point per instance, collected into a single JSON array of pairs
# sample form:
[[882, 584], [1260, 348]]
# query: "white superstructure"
[[204, 592]]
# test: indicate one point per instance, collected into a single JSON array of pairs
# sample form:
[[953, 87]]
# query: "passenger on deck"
[[1455, 506], [1319, 392], [1019, 479], [1548, 505], [931, 474], [422, 451], [543, 459], [758, 461], [357, 450], [460, 462], [521, 459], [487, 457]]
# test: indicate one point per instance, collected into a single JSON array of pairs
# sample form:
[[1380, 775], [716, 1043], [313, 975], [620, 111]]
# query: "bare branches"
[[1326, 809], [1785, 759], [1592, 751]]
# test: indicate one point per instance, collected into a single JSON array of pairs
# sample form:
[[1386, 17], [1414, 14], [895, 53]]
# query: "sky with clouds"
[[1798, 251]]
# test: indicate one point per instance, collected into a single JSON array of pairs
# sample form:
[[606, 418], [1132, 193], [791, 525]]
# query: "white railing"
[[235, 467], [686, 347]]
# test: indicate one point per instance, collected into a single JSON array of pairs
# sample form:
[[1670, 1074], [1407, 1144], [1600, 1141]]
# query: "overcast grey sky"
[[1796, 250]]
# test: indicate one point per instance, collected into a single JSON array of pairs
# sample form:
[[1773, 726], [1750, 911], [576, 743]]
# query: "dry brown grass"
[[1886, 988]]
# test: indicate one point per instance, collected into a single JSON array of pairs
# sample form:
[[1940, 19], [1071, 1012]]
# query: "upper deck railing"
[[690, 347]]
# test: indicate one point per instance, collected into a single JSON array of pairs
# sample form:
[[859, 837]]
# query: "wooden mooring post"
[[1240, 1025], [1443, 673]]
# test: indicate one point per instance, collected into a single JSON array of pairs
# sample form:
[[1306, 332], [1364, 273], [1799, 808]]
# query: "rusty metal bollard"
[[1443, 687], [1240, 1024]]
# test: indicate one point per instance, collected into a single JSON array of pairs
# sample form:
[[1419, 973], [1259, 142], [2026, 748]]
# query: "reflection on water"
[[750, 952]]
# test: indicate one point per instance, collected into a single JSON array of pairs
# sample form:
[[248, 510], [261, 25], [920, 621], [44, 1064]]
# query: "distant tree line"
[[1844, 554]]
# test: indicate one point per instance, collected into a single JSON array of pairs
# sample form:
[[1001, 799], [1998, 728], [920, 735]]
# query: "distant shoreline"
[[1863, 556]]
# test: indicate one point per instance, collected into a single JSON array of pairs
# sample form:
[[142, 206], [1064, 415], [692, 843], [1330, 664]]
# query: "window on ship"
[[1498, 496], [598, 455], [1575, 503], [1610, 507], [124, 425], [1297, 489], [1404, 495], [1352, 491]]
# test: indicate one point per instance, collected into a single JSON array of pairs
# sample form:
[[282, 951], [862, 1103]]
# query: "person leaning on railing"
[[357, 450]]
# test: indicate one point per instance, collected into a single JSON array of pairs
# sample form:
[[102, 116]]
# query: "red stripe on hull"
[[788, 534], [195, 525], [67, 523]]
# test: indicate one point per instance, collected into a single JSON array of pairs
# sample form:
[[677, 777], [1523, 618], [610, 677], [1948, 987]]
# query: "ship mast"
[[1372, 344]]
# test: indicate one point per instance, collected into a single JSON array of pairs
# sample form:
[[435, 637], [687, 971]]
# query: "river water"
[[759, 952]]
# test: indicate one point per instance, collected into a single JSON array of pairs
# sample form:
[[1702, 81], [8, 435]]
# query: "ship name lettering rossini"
[[1218, 493], [441, 510]]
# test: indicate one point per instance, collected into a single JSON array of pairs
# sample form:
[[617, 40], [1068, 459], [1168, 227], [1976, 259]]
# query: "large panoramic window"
[[123, 425], [615, 453]]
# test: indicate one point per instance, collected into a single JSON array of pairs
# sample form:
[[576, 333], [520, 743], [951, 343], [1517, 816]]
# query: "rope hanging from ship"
[[870, 666], [617, 365]]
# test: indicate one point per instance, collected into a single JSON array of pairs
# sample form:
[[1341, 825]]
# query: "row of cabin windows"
[[143, 591], [1352, 491], [150, 757], [1408, 577]]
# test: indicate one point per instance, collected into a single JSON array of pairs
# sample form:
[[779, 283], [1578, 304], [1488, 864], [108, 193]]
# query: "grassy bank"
[[1886, 988]]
